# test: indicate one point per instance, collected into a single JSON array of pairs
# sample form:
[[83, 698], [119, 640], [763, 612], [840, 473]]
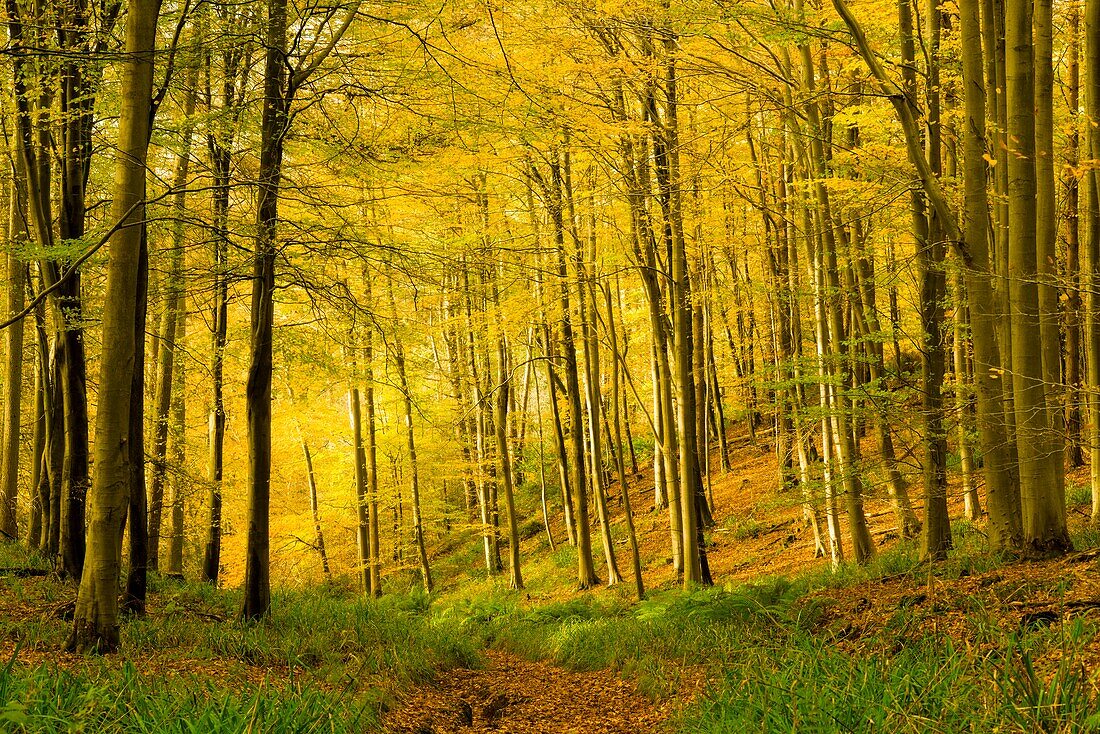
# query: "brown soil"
[[514, 695]]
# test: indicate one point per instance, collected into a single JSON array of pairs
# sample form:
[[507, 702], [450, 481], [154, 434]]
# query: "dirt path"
[[521, 697]]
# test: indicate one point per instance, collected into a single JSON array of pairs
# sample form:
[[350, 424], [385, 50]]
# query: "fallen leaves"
[[511, 695]]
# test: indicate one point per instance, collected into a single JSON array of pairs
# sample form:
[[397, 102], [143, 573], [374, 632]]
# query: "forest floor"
[[973, 602], [516, 696], [781, 643]]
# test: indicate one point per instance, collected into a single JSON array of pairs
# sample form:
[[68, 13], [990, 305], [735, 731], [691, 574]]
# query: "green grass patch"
[[776, 668], [51, 700], [794, 684], [331, 659]]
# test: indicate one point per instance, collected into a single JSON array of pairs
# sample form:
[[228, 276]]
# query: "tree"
[[1043, 513], [257, 580], [168, 354], [95, 622], [414, 469], [13, 358], [236, 63], [1091, 278], [279, 91]]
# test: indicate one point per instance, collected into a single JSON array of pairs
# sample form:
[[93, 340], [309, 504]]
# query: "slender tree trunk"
[[1002, 494], [1091, 278], [414, 468], [635, 556], [54, 457], [1072, 199], [542, 471], [1046, 256], [13, 380], [178, 436], [590, 349], [660, 497], [137, 583], [963, 404], [319, 537], [95, 622], [220, 155], [561, 449], [481, 428], [38, 534], [586, 572], [166, 356], [375, 553], [683, 348], [257, 567], [362, 504], [501, 425], [929, 230]]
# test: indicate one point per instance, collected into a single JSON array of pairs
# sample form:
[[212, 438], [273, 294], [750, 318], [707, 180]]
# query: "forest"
[[542, 366]]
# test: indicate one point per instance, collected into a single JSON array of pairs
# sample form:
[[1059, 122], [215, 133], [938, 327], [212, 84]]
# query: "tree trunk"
[[257, 568], [319, 537], [612, 333], [13, 380], [375, 554], [38, 535], [95, 622], [964, 404], [929, 231], [53, 457], [362, 504], [414, 469], [137, 583], [542, 471], [1046, 256], [1091, 278], [586, 572], [1072, 199], [590, 349], [166, 356], [178, 436], [501, 425], [220, 160], [683, 348], [1043, 513]]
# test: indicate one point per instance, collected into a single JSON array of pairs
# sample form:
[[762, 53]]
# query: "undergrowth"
[[766, 660], [326, 659], [764, 656], [46, 700]]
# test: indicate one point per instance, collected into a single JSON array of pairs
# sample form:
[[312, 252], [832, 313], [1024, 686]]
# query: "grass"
[[1078, 494], [45, 700], [929, 686], [775, 664], [325, 660], [767, 656], [775, 671]]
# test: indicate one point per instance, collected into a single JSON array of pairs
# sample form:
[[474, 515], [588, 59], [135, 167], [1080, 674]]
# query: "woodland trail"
[[522, 697]]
